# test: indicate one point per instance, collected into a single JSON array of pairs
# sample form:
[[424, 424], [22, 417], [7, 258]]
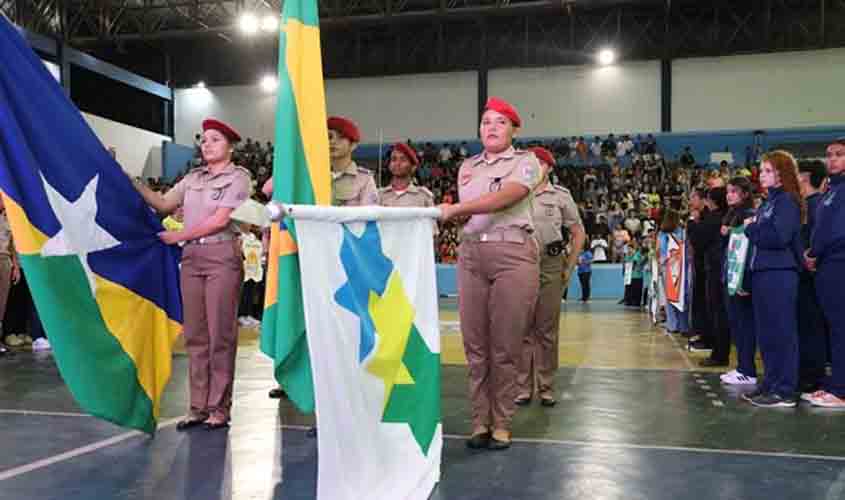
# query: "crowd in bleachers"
[[617, 183]]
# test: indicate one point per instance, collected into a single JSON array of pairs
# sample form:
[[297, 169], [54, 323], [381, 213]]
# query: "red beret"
[[502, 106], [229, 132], [544, 155], [408, 151], [346, 127]]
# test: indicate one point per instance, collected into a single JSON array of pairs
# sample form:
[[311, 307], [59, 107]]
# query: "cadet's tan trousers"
[[211, 280], [497, 287], [540, 350]]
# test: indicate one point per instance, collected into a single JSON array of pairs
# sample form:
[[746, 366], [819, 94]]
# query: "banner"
[[738, 245], [371, 316], [676, 272]]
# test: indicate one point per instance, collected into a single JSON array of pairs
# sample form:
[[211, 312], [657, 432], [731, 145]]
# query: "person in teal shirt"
[[635, 259]]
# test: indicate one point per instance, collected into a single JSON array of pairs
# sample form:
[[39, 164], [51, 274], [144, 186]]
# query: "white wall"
[[422, 107], [794, 89], [436, 106], [576, 100], [138, 151], [246, 107]]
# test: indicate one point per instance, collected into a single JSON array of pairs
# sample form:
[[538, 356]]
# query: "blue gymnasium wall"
[[606, 282], [672, 144]]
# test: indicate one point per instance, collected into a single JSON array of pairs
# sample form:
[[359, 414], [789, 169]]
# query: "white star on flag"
[[80, 234]]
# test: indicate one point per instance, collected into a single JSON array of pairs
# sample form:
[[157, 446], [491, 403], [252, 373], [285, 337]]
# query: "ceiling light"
[[248, 23], [269, 23], [607, 57], [269, 83]]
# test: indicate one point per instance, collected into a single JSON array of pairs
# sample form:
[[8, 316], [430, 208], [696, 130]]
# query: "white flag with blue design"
[[370, 299]]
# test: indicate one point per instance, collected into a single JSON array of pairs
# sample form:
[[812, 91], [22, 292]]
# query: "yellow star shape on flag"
[[393, 317]]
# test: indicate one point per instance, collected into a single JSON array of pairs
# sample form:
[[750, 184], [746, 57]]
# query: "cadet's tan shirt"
[[414, 196], [200, 193], [478, 177], [553, 208], [353, 187], [5, 236]]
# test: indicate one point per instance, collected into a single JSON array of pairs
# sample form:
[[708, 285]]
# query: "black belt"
[[555, 248]]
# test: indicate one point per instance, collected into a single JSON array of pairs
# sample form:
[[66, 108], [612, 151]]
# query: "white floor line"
[[76, 452], [629, 446], [39, 413]]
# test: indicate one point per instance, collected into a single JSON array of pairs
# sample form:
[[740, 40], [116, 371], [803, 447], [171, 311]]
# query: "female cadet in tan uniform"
[[352, 186], [497, 270], [553, 208], [212, 271], [402, 192]]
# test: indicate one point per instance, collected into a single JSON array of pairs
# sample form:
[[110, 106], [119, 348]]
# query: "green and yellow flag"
[[301, 175]]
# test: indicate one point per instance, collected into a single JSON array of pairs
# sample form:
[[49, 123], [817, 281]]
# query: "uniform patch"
[[465, 178], [530, 173]]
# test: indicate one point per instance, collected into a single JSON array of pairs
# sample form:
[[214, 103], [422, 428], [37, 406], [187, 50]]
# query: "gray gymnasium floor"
[[652, 432]]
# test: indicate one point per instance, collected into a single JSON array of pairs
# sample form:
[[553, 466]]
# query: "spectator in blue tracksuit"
[[776, 258], [827, 257], [740, 196], [812, 329]]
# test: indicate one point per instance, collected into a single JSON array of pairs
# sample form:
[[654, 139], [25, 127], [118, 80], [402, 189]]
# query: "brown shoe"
[[501, 440], [480, 438], [522, 400], [192, 420]]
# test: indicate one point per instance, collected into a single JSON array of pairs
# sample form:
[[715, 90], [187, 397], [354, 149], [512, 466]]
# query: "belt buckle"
[[483, 237]]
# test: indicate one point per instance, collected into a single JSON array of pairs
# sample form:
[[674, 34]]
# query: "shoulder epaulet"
[[367, 171], [475, 158], [521, 152], [561, 189], [243, 171], [385, 189], [426, 191]]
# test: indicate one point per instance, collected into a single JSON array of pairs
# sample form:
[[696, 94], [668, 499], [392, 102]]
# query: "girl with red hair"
[[776, 257]]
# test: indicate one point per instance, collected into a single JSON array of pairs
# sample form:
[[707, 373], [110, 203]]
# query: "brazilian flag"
[[301, 175]]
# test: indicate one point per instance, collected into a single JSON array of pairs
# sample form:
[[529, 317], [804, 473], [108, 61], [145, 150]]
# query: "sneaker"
[[41, 344], [14, 340], [736, 378], [728, 374], [243, 321], [749, 396], [827, 400], [810, 396], [773, 401]]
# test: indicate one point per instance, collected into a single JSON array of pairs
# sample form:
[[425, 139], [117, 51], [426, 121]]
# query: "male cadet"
[[402, 192], [352, 186]]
